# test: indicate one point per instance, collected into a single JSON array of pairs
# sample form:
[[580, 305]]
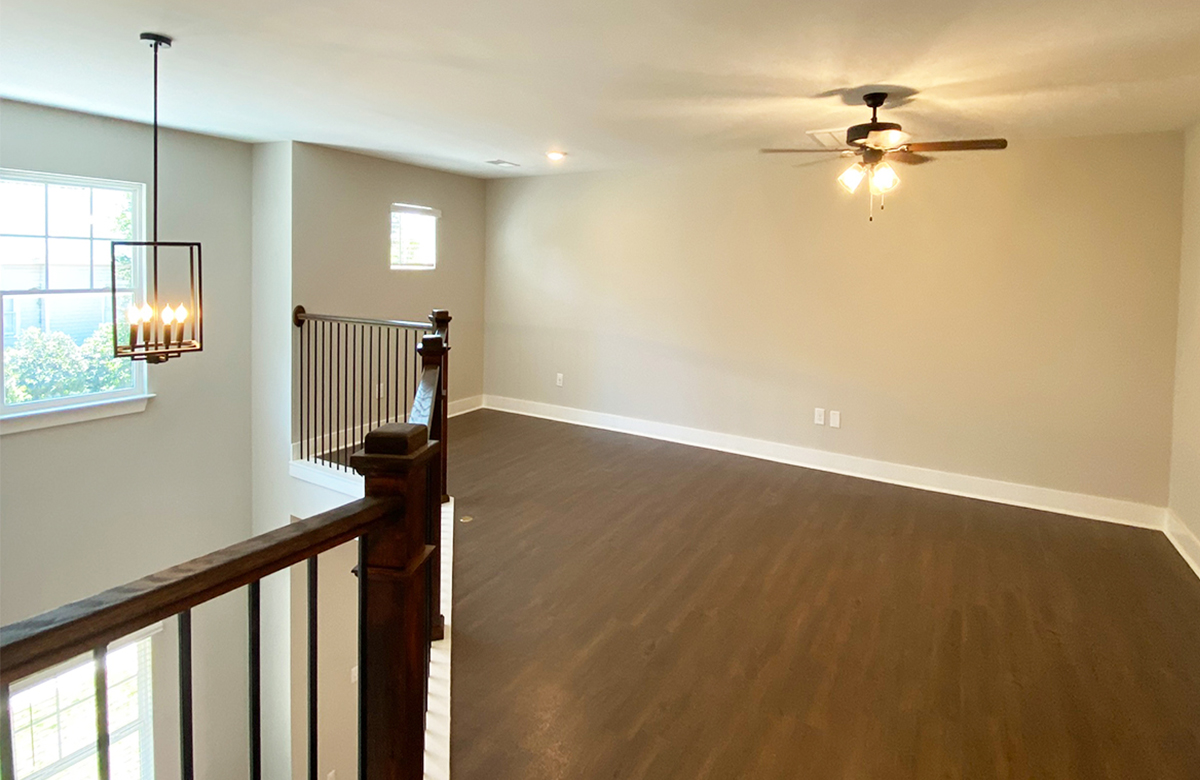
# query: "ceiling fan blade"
[[957, 146], [908, 158], [805, 151]]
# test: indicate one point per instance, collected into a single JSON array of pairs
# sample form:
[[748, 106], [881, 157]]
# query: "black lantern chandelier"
[[170, 319]]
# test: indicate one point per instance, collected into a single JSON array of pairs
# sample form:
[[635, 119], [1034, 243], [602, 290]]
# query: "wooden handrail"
[[299, 316], [39, 642]]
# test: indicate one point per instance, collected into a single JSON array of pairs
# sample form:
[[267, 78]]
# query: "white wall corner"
[[1184, 540], [1110, 510]]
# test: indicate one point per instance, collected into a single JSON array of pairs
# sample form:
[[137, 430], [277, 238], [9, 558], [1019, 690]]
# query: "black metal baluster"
[[100, 661], [379, 370], [387, 370], [363, 391], [186, 763], [405, 385], [371, 390], [416, 364], [347, 426], [7, 765], [312, 404], [312, 668], [321, 392], [253, 593], [300, 388], [341, 433], [353, 388], [396, 379]]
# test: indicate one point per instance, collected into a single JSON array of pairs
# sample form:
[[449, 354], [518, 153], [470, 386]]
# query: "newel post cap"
[[392, 450], [440, 318], [432, 346], [396, 439]]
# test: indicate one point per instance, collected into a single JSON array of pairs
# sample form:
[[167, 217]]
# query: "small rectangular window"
[[56, 275], [414, 236], [54, 719]]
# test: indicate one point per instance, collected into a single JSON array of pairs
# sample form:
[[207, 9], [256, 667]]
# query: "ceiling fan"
[[877, 144]]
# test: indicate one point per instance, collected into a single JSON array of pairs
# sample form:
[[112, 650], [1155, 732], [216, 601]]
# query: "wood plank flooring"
[[625, 608]]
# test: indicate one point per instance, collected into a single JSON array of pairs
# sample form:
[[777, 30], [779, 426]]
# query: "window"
[[54, 719], [55, 277], [414, 236]]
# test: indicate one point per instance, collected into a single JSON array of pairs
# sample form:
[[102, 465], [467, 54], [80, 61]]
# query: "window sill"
[[50, 418]]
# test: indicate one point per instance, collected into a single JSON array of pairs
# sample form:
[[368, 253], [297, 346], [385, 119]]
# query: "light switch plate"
[[835, 419], [818, 416]]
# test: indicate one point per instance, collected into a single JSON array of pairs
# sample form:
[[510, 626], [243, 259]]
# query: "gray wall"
[[341, 248], [1011, 315], [70, 524], [1185, 461], [271, 382]]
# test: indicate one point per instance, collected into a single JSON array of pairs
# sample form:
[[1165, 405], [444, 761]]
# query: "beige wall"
[[70, 525], [1010, 315], [341, 248], [271, 380], [1185, 460]]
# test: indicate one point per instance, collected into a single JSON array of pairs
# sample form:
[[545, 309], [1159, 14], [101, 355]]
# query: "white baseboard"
[[464, 405], [1111, 510], [349, 483], [1184, 540]]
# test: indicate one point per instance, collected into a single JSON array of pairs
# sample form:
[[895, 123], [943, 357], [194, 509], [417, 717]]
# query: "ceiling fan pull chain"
[[871, 213]]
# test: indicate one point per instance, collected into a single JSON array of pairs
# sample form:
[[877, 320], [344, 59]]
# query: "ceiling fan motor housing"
[[857, 135]]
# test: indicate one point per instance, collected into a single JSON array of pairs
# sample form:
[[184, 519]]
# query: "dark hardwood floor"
[[625, 608]]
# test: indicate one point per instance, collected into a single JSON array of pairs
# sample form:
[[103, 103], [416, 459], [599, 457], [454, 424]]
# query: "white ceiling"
[[453, 83]]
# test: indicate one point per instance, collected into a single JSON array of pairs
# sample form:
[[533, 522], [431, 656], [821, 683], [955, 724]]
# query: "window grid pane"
[[54, 724], [55, 239]]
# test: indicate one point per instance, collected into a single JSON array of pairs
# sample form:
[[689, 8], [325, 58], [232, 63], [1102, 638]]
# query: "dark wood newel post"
[[441, 323], [397, 461]]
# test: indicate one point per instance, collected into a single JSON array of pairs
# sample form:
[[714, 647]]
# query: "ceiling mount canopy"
[[158, 328], [878, 144]]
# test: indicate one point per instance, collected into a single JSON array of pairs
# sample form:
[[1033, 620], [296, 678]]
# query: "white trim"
[[437, 709], [347, 483], [1110, 510], [67, 415], [410, 208], [1184, 540], [464, 405]]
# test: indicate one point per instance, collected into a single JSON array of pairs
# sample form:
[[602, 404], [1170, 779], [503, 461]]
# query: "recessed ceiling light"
[[503, 164], [555, 156]]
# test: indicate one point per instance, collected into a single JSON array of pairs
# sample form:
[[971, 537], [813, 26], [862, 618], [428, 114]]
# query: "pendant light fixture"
[[170, 319]]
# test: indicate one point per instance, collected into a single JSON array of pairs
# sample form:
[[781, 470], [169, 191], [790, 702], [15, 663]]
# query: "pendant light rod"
[[157, 41]]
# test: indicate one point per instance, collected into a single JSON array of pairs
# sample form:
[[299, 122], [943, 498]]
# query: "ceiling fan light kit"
[[877, 144]]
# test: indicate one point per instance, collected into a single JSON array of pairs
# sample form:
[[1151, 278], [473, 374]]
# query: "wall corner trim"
[[1110, 510], [464, 405], [1184, 540]]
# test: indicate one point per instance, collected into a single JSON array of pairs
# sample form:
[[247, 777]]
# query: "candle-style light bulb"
[[168, 316], [134, 315], [181, 314], [147, 323]]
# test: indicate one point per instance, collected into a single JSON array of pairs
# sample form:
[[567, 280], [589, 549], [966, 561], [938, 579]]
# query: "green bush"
[[41, 366]]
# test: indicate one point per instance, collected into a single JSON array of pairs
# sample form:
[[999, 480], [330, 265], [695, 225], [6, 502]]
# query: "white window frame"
[[15, 418], [144, 724], [425, 211]]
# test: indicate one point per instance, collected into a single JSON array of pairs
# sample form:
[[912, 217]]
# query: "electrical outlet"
[[835, 419], [354, 673], [558, 380], [818, 416], [381, 391]]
